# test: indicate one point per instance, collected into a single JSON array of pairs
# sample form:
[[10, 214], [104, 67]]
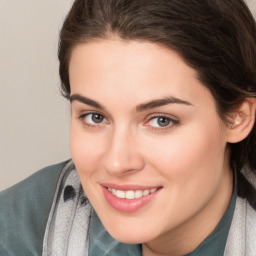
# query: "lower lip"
[[128, 205]]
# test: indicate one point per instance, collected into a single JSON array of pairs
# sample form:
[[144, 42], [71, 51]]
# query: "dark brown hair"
[[215, 37]]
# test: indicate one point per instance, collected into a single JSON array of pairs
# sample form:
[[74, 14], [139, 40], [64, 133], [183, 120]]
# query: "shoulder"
[[24, 211], [242, 233], [42, 182], [241, 238]]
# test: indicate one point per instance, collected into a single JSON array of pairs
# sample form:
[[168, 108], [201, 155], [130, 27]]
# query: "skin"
[[187, 158]]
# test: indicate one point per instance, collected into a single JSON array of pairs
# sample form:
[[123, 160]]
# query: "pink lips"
[[127, 205]]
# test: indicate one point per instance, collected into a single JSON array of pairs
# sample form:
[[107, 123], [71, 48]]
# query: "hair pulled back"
[[215, 37]]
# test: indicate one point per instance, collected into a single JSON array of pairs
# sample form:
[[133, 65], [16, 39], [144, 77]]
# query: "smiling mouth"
[[131, 194], [129, 198]]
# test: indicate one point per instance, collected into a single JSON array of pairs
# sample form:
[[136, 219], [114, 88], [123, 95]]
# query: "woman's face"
[[147, 142]]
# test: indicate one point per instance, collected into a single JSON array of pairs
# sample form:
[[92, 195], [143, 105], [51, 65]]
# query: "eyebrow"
[[86, 101], [141, 107], [161, 102]]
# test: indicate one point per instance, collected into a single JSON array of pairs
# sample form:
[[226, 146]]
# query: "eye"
[[162, 122], [93, 119]]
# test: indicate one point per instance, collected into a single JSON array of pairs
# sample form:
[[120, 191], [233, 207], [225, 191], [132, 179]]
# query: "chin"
[[131, 236], [129, 240]]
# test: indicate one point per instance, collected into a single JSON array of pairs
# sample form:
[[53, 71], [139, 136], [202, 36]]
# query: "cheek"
[[193, 152], [85, 150], [192, 167]]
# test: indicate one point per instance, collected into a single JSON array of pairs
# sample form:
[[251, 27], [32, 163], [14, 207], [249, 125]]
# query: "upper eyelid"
[[170, 116], [150, 116], [91, 112], [84, 113], [175, 121], [82, 117], [79, 107]]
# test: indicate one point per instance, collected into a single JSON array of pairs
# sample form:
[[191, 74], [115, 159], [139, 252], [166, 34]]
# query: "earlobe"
[[243, 121]]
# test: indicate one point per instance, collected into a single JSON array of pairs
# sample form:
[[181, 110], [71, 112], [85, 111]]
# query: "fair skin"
[[177, 146]]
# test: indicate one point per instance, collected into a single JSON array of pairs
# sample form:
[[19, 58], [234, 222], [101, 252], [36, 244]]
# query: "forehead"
[[132, 69]]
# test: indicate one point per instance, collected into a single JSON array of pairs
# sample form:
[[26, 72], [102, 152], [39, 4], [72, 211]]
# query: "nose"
[[122, 154]]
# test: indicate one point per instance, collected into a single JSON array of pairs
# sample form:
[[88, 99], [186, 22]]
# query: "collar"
[[215, 243], [102, 243]]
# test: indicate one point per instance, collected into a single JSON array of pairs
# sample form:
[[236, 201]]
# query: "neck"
[[189, 235]]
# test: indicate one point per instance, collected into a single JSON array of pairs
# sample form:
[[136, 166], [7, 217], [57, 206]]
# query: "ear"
[[243, 120]]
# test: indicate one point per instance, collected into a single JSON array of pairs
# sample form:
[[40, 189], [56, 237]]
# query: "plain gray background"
[[34, 118]]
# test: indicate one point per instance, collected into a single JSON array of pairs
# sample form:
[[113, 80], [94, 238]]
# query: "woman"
[[162, 136]]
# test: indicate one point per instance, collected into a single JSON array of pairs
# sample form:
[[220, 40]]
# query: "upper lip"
[[126, 187]]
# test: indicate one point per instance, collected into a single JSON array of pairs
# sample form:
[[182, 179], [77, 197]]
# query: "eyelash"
[[84, 115], [173, 122]]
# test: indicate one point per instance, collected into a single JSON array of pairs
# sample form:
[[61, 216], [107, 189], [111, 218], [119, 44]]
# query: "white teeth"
[[153, 190], [130, 194], [145, 192], [120, 194], [138, 193]]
